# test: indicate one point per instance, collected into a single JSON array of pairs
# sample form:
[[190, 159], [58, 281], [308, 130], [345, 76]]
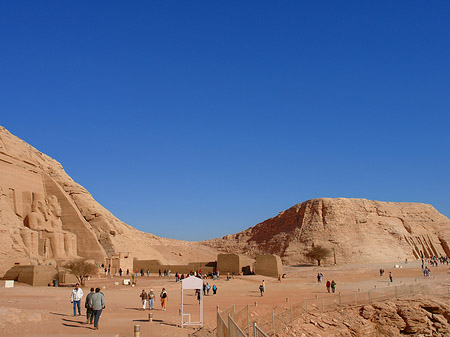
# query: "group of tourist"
[[94, 304], [150, 299], [331, 286]]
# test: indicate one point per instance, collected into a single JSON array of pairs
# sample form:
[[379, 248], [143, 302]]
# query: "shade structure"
[[191, 282]]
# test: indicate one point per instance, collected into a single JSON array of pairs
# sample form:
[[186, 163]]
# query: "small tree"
[[318, 253], [81, 269]]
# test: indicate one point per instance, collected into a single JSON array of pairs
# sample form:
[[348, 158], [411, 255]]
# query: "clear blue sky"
[[197, 119]]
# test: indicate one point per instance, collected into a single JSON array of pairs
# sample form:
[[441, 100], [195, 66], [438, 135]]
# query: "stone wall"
[[122, 260], [155, 265], [268, 265], [32, 275], [234, 263]]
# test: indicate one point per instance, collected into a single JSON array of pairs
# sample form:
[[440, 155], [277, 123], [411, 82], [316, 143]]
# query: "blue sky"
[[197, 119]]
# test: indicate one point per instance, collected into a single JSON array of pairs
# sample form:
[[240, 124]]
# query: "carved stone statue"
[[46, 236]]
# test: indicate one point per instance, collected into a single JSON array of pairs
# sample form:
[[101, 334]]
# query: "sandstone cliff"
[[355, 230], [46, 216]]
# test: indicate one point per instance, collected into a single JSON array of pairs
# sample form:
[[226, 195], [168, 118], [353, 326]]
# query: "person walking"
[[97, 303], [120, 271], [214, 288], [75, 298], [390, 277], [261, 289], [333, 286], [151, 300], [164, 298], [89, 310], [328, 284], [143, 297]]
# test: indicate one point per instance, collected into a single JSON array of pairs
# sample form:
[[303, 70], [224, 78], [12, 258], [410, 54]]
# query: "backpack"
[[164, 295]]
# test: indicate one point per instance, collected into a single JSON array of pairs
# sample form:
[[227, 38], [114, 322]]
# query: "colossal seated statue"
[[45, 220]]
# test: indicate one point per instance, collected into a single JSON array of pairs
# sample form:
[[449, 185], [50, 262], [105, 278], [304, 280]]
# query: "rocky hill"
[[46, 216], [355, 230]]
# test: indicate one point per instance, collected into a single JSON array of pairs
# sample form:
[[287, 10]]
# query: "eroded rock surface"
[[355, 230], [413, 317]]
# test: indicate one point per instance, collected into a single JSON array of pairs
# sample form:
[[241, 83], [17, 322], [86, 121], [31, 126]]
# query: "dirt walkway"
[[45, 311]]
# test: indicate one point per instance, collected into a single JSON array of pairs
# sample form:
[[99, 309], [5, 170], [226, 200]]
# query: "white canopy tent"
[[192, 282]]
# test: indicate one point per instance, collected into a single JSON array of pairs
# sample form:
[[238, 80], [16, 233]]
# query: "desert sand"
[[47, 311]]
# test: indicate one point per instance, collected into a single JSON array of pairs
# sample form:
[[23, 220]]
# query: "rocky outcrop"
[[355, 230], [413, 317], [47, 217]]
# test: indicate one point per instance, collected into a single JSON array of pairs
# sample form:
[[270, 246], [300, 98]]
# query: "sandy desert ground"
[[47, 311]]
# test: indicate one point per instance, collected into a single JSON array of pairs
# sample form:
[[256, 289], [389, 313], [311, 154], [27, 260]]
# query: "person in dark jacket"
[[97, 303]]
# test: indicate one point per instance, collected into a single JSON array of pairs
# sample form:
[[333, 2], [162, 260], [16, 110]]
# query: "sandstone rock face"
[[413, 317], [355, 230], [45, 216]]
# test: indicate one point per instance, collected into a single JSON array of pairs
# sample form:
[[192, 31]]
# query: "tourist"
[[261, 289], [143, 297], [148, 272], [128, 272], [264, 284], [75, 298], [279, 278], [159, 272], [120, 271], [97, 303], [328, 284], [208, 287], [151, 300], [197, 294], [89, 310], [214, 288], [164, 298], [390, 277], [333, 286]]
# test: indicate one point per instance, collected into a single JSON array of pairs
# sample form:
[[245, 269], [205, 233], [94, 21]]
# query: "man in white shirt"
[[75, 298]]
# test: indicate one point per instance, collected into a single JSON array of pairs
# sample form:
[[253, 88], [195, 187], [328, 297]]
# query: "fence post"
[[273, 321], [292, 316], [254, 330], [137, 330], [248, 322]]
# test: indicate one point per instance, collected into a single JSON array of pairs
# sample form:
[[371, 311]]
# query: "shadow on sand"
[[58, 314], [146, 320]]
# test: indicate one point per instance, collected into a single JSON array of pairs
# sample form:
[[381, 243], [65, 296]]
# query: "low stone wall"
[[155, 265]]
